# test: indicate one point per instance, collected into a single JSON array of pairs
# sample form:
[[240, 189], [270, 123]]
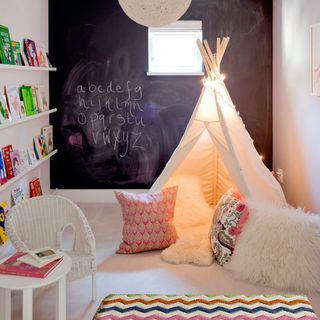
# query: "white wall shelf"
[[26, 119], [12, 67], [25, 172]]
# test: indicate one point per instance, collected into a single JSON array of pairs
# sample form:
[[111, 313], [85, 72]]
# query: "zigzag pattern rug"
[[203, 307]]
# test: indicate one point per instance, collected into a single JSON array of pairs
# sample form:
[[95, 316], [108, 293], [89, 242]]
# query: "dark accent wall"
[[117, 127]]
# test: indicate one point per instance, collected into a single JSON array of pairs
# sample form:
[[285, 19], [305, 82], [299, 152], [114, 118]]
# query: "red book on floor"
[[13, 267], [7, 161]]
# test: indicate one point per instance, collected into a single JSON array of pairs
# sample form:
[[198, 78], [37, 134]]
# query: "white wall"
[[296, 113], [25, 18]]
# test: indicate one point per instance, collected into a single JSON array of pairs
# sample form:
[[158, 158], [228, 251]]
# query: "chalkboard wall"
[[117, 127]]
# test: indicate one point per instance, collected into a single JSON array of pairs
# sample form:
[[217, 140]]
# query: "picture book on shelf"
[[22, 110], [16, 52], [43, 146], [16, 162], [17, 195], [45, 102], [27, 97], [38, 97], [3, 174], [37, 148], [24, 158], [35, 188], [5, 115], [6, 53], [7, 161], [48, 137], [32, 156], [31, 52], [24, 58], [42, 55], [40, 147], [34, 97], [3, 215], [13, 99], [15, 267]]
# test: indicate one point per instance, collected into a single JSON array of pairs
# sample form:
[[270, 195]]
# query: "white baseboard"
[[92, 196]]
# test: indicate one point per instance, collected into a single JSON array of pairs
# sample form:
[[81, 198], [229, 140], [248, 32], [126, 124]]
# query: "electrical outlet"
[[279, 175]]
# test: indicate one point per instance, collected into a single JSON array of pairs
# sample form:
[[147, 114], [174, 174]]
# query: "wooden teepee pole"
[[224, 45], [212, 62], [215, 63], [206, 60], [218, 50]]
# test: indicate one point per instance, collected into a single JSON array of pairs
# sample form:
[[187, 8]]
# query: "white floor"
[[139, 273]]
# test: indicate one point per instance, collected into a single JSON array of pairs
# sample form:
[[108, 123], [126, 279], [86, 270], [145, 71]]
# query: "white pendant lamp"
[[154, 13]]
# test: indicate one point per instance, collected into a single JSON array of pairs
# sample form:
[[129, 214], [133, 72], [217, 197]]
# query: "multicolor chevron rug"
[[203, 307]]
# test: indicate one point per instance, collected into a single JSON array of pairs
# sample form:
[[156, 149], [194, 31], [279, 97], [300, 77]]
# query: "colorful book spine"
[[3, 174], [7, 161], [6, 52]]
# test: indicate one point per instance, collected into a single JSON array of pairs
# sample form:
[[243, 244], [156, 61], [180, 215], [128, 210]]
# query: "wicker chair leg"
[[94, 287]]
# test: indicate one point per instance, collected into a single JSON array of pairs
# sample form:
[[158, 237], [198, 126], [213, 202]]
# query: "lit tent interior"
[[216, 146]]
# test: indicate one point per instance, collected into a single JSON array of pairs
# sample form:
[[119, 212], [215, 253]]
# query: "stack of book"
[[36, 263]]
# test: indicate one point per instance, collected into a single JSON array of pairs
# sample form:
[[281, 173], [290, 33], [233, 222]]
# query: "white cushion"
[[279, 247]]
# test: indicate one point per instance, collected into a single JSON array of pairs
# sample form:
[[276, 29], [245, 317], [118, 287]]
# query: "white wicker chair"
[[40, 222]]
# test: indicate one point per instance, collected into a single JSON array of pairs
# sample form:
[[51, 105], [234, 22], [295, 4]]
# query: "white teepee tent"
[[216, 146]]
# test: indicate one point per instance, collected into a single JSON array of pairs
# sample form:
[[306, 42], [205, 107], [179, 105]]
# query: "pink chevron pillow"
[[148, 220]]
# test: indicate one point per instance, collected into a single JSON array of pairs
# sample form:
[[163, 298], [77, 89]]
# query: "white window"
[[173, 49]]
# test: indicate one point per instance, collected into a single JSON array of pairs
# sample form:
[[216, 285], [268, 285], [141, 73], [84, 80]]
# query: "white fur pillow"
[[191, 206], [279, 247]]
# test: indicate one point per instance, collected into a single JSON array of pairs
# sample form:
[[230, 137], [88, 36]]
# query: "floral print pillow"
[[231, 213]]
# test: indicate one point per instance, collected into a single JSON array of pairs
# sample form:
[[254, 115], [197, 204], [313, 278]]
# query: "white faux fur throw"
[[192, 219], [279, 247], [193, 246]]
